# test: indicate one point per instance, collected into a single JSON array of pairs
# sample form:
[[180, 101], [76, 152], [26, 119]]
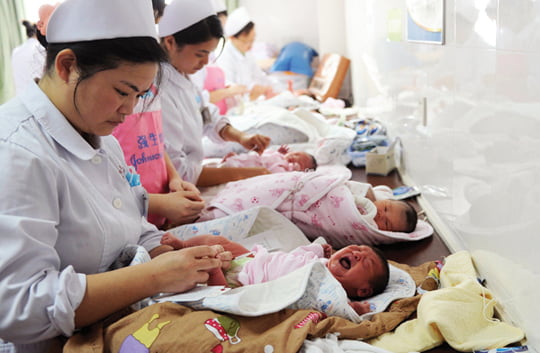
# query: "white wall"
[[478, 158], [282, 21]]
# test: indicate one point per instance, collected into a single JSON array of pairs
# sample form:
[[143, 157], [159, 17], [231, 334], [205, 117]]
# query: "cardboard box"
[[381, 160]]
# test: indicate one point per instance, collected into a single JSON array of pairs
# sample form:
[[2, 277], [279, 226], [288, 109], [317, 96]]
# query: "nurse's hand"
[[234, 90], [180, 207], [248, 172], [256, 142], [181, 270], [260, 90], [177, 184], [183, 207]]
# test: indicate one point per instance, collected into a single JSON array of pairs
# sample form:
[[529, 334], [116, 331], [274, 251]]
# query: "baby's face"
[[354, 266], [391, 215], [301, 160]]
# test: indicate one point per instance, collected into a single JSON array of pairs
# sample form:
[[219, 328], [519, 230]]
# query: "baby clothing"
[[265, 266], [274, 161]]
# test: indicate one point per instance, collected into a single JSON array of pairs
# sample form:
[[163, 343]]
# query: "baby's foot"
[[171, 240]]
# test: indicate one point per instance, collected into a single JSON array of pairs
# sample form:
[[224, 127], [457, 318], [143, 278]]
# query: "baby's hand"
[[360, 307], [283, 149], [327, 248]]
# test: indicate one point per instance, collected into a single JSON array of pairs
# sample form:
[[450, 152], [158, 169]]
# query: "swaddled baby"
[[361, 270]]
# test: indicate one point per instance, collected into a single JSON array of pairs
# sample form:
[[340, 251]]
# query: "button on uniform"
[[96, 159], [117, 203]]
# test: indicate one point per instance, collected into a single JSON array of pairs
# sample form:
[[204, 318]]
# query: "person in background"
[[238, 64], [44, 12], [294, 65], [28, 59], [159, 7], [67, 210], [171, 200], [211, 78], [190, 30]]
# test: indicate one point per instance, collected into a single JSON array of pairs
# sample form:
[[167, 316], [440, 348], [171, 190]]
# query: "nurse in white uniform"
[[190, 31], [66, 208], [28, 59], [237, 62]]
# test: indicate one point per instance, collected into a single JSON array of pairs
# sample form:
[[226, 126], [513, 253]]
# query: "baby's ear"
[[364, 292]]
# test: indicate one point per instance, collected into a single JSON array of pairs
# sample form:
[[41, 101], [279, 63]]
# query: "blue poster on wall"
[[425, 21]]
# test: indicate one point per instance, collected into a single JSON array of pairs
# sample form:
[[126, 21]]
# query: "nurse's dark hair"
[[31, 28], [159, 7], [207, 29], [107, 54], [245, 30]]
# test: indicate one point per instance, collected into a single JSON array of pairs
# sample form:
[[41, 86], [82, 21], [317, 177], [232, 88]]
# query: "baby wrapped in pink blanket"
[[319, 204]]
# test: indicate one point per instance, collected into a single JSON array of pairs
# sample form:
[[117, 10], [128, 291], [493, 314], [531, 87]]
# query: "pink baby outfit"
[[274, 161], [267, 266], [321, 205], [141, 138]]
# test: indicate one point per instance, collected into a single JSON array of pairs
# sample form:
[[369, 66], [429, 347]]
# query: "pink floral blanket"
[[319, 204]]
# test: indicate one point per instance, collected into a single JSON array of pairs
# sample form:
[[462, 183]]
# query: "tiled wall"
[[477, 157]]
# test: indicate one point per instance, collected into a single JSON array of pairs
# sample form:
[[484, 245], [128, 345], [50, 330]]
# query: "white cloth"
[[240, 69], [236, 20], [83, 20], [219, 5], [66, 210], [181, 14], [28, 62], [183, 127]]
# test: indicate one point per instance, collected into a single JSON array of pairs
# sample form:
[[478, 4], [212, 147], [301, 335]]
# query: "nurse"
[[190, 31], [66, 208], [237, 62], [27, 59]]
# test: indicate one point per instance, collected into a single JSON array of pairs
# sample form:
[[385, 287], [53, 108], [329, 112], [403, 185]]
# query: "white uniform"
[[241, 69], [66, 210], [182, 107], [28, 63]]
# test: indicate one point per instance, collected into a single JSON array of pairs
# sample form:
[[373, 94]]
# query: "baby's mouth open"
[[345, 262]]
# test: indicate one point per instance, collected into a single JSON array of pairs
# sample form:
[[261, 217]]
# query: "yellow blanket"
[[460, 313]]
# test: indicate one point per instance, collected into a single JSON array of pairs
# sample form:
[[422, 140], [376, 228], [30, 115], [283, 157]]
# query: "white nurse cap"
[[180, 14], [237, 20], [219, 5], [85, 20]]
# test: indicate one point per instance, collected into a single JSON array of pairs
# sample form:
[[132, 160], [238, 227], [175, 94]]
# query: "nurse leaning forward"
[[66, 208]]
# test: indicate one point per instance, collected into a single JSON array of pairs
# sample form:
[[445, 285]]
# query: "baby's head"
[[301, 160], [362, 270], [395, 216]]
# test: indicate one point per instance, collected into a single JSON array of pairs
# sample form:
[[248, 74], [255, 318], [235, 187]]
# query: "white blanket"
[[309, 287]]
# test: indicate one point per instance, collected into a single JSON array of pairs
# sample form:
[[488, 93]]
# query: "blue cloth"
[[295, 57]]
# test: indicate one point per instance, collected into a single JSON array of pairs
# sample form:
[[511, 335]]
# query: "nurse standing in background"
[[28, 59], [211, 78], [66, 208], [238, 64], [190, 31]]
